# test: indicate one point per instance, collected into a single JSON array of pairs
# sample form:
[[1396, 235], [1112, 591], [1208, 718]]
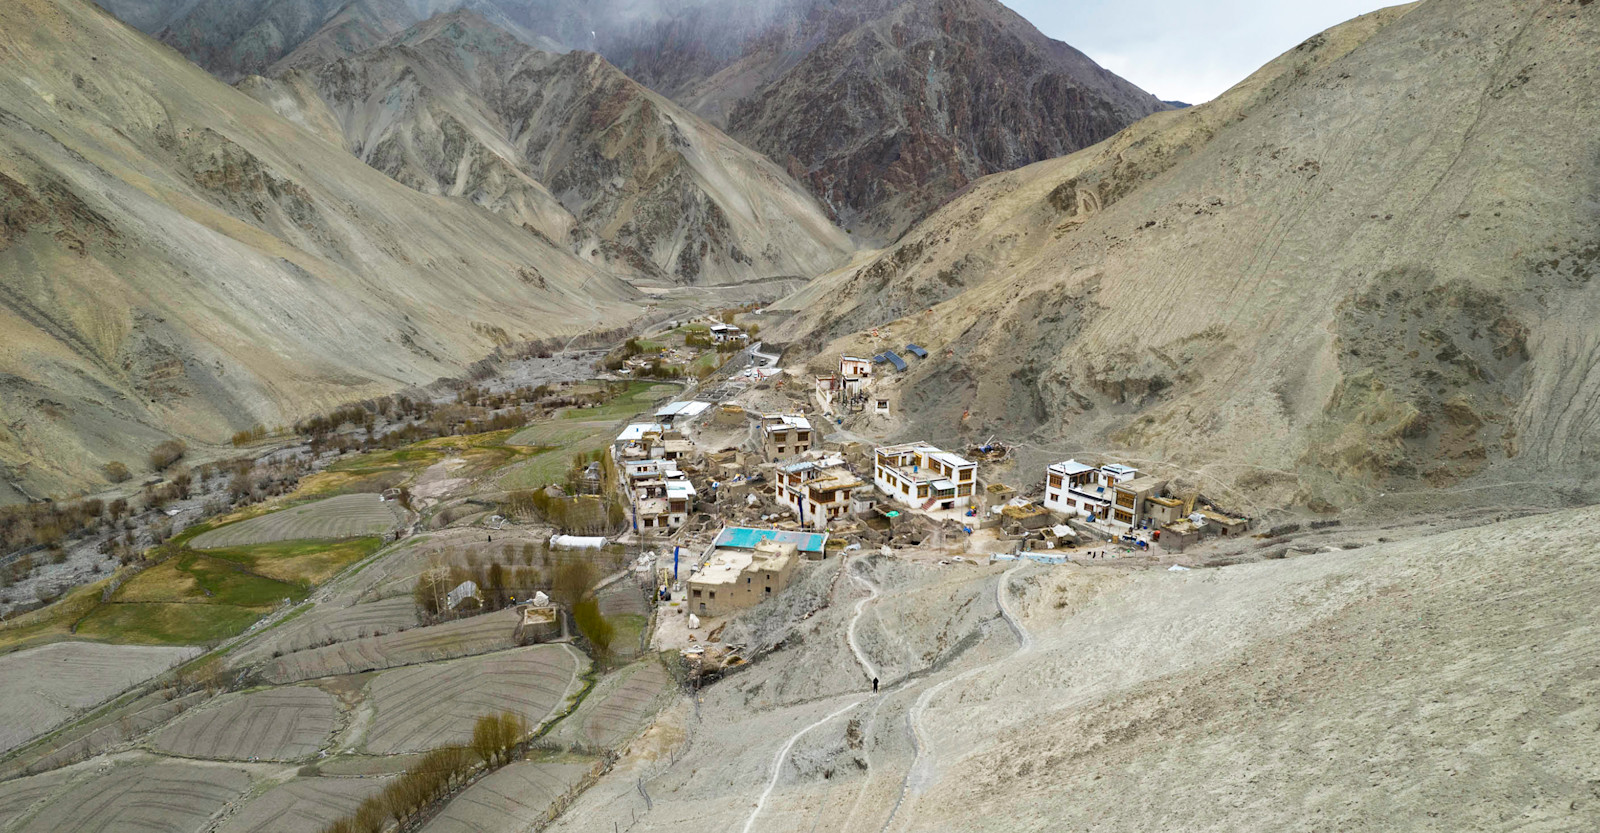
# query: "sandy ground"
[[41, 687]]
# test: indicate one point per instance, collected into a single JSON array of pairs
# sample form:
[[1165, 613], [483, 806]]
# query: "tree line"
[[495, 742]]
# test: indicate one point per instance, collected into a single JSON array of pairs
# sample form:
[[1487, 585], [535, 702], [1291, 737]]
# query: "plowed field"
[[281, 724], [345, 516]]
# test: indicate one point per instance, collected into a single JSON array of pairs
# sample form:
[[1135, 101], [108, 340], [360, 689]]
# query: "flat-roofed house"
[[662, 496], [724, 333], [785, 435], [818, 491], [736, 579], [923, 476]]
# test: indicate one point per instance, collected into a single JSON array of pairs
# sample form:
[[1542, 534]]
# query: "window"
[[1055, 480], [697, 593], [713, 594], [922, 491], [966, 476], [747, 580], [769, 591]]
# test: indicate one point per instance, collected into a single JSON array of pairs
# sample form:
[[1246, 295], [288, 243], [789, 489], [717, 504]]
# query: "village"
[[732, 489]]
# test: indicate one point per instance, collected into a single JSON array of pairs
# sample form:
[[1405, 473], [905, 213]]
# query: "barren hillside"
[[1443, 683], [570, 146], [1360, 270], [176, 258]]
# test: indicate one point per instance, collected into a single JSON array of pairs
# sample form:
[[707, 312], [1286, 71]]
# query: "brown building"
[[736, 579]]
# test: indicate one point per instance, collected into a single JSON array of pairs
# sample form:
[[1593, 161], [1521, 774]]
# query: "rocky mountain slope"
[[882, 108], [176, 258], [571, 147], [1369, 267]]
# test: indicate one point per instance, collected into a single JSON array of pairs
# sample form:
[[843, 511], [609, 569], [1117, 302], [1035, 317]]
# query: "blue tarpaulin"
[[894, 359], [916, 351]]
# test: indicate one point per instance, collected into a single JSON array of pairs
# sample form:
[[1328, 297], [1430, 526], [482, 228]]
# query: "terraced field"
[[336, 518], [305, 805], [140, 798], [477, 635], [20, 795], [434, 705], [620, 706], [281, 724], [512, 799], [41, 687], [328, 624]]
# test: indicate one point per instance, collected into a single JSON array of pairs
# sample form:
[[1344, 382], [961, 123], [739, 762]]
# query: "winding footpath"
[[866, 666], [920, 775]]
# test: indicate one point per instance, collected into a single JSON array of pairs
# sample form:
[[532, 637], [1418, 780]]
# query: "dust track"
[[924, 766], [783, 753]]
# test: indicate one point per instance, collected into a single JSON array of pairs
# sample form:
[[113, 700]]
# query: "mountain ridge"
[[571, 146], [179, 260]]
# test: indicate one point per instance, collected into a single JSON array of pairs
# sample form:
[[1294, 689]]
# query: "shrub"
[[595, 627], [167, 453], [117, 472]]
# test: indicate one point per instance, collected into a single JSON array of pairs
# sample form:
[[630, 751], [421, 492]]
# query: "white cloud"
[[1184, 50]]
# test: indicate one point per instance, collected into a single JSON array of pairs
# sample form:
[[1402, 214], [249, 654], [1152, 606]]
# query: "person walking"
[[874, 685]]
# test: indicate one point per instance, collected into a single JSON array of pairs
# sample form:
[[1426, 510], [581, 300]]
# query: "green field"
[[559, 441], [155, 623], [640, 396], [312, 562]]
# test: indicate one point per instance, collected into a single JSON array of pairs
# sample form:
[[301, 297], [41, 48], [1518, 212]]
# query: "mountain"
[[570, 146], [1362, 275], [177, 259], [882, 108], [885, 109]]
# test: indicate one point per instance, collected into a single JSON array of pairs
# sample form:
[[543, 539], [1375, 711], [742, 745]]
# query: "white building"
[[724, 333], [921, 476], [819, 491], [1111, 493], [662, 496]]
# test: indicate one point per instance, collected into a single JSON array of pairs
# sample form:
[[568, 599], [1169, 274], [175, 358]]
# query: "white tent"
[[576, 542]]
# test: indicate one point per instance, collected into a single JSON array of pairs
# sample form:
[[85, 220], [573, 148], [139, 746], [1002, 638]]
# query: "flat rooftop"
[[745, 538]]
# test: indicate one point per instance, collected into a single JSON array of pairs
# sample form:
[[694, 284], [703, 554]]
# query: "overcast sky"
[[1187, 50]]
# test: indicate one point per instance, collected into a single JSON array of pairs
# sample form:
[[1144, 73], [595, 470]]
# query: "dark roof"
[[916, 351], [894, 359], [879, 359]]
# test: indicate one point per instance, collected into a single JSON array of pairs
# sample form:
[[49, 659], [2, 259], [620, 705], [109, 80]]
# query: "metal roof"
[[916, 351], [894, 359], [688, 409]]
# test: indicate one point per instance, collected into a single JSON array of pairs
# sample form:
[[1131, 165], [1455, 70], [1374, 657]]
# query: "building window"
[[713, 594], [1055, 480]]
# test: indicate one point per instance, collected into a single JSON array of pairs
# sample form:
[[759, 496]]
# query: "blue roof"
[[894, 359], [745, 538], [916, 351], [878, 359]]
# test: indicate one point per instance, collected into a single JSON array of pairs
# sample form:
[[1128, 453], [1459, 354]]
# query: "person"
[[874, 685]]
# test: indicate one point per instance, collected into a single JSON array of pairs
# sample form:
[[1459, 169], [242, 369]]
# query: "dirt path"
[[924, 765], [783, 752], [861, 606]]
